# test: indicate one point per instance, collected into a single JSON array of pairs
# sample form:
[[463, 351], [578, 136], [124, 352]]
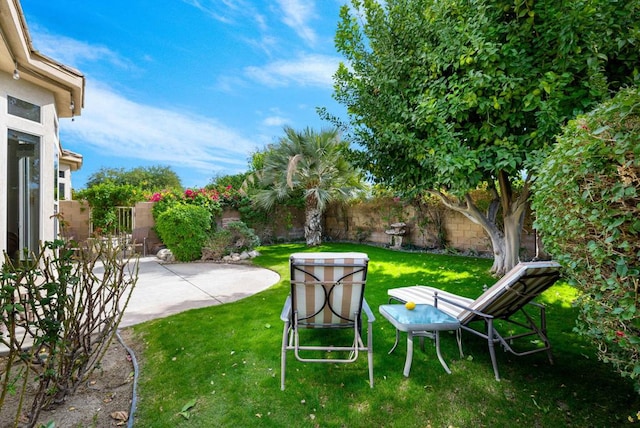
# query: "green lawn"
[[227, 359]]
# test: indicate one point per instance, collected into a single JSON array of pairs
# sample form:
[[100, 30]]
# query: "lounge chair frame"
[[327, 292], [509, 296]]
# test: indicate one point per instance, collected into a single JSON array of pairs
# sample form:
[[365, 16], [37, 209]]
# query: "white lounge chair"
[[504, 299]]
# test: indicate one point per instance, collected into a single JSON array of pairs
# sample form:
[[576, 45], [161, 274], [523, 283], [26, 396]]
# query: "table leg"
[[407, 363], [395, 345], [446, 368]]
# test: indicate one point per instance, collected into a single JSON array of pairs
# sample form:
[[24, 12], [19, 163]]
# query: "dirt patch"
[[103, 401]]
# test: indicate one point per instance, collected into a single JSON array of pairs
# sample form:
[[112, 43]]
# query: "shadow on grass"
[[227, 358]]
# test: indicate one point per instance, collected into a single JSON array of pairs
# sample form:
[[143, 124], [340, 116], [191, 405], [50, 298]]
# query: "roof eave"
[[66, 83]]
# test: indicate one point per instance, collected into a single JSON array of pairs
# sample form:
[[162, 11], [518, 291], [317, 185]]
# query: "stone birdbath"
[[397, 231]]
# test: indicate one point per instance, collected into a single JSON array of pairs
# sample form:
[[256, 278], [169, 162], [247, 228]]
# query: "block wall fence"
[[368, 221], [362, 222]]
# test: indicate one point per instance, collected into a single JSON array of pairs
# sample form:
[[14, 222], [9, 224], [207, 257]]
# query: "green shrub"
[[217, 246], [184, 230], [242, 237], [104, 198], [587, 202], [236, 237]]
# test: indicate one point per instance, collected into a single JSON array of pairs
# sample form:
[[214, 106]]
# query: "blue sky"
[[197, 85]]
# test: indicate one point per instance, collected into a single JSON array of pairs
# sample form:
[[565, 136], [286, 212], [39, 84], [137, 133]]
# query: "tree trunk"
[[499, 247], [513, 211], [512, 239], [313, 224], [505, 244]]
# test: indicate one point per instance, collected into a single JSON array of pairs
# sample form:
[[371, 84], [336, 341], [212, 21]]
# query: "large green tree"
[[310, 165], [447, 96], [151, 179]]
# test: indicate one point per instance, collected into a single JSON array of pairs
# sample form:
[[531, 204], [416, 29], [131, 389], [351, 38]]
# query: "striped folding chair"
[[327, 292]]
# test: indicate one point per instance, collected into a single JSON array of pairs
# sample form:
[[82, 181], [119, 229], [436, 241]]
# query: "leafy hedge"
[[184, 229], [587, 200], [103, 199]]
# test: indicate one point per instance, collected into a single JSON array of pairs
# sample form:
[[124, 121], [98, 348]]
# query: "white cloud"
[[296, 14], [212, 7], [306, 70], [278, 121], [240, 15], [229, 11], [73, 52], [228, 84], [119, 127], [264, 43]]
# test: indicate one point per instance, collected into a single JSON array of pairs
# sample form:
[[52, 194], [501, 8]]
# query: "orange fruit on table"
[[410, 305]]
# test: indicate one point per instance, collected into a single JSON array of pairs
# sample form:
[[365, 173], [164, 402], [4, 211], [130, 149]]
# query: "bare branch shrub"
[[59, 311]]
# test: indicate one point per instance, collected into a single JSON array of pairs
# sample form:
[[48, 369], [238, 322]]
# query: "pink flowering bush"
[[210, 199], [214, 199], [173, 212]]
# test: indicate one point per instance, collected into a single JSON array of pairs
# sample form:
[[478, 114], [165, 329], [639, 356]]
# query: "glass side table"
[[423, 321]]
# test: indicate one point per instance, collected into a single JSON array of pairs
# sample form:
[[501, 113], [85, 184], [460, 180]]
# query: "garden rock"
[[165, 255], [238, 257]]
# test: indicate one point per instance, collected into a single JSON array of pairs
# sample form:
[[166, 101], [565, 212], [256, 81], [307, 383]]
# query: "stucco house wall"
[[68, 162], [45, 130], [58, 90]]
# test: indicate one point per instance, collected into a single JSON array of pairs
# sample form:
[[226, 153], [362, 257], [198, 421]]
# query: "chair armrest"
[[286, 310], [539, 305], [367, 311]]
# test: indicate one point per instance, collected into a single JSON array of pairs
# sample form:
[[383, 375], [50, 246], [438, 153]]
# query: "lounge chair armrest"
[[367, 311], [466, 308], [539, 305], [286, 310]]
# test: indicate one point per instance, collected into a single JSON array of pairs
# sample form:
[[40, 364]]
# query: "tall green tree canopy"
[[310, 165], [153, 178], [445, 96]]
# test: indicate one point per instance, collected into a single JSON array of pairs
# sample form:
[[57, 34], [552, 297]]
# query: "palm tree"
[[310, 163]]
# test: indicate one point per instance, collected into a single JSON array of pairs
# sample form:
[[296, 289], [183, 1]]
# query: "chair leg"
[[370, 352], [492, 351], [550, 356], [459, 340], [543, 328], [283, 357]]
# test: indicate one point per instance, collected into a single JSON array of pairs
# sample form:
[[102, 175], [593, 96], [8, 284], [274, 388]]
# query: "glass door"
[[23, 190]]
